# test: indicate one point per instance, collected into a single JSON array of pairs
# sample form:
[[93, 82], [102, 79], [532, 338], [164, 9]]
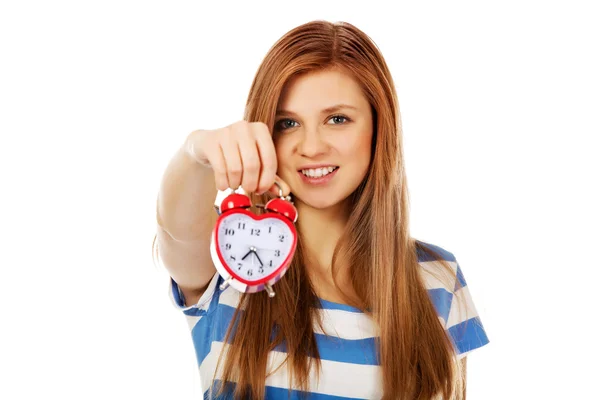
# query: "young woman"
[[365, 310]]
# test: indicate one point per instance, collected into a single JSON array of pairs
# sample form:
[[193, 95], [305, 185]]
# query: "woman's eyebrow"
[[324, 111]]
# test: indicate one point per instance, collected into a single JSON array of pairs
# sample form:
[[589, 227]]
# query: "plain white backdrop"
[[500, 107]]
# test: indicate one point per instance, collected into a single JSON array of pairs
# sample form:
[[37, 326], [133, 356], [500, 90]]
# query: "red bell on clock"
[[252, 252], [235, 200], [283, 207]]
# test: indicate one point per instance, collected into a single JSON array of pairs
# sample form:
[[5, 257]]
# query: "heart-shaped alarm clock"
[[252, 252]]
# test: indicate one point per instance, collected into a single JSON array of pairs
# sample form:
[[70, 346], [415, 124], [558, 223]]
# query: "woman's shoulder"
[[438, 266], [450, 295], [427, 252]]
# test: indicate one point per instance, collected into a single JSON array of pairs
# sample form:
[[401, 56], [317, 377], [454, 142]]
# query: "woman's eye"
[[338, 117], [288, 123], [284, 124]]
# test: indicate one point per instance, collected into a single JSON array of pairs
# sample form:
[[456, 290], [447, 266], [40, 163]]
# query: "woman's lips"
[[322, 180]]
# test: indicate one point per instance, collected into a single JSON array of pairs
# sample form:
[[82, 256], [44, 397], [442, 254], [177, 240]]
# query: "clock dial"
[[254, 249]]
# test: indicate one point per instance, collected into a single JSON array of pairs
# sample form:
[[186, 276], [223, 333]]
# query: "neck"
[[320, 230]]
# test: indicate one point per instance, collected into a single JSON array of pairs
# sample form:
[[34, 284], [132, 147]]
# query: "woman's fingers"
[[251, 162], [268, 157], [285, 188], [241, 154], [233, 161]]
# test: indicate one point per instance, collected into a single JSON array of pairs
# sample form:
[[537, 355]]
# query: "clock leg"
[[269, 290], [225, 283]]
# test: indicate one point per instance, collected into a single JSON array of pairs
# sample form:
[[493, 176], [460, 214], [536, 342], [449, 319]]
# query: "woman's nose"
[[311, 143]]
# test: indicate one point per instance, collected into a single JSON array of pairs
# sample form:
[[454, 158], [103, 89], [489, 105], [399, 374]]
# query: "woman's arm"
[[185, 217]]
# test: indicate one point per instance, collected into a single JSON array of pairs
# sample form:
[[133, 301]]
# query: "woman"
[[365, 310]]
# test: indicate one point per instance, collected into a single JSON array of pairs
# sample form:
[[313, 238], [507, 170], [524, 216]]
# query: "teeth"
[[319, 172]]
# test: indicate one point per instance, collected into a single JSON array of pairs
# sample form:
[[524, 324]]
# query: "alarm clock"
[[252, 252]]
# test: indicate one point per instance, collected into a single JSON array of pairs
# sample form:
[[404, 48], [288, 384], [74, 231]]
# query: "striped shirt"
[[346, 343]]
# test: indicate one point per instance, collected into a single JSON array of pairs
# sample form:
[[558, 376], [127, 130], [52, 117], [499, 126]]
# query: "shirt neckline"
[[331, 305]]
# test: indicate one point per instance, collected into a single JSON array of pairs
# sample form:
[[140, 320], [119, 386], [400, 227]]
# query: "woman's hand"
[[240, 154]]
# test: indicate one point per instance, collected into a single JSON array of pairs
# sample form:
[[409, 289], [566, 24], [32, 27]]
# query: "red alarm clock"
[[252, 252]]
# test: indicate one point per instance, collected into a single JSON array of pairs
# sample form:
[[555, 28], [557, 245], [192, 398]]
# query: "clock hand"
[[256, 254], [247, 254], [262, 248]]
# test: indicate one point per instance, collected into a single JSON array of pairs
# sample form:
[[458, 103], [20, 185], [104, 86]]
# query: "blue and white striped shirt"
[[347, 342]]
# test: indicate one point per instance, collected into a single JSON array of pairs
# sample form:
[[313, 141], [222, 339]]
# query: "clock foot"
[[269, 290], [224, 285]]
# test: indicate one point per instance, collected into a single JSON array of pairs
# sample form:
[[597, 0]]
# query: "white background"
[[500, 107]]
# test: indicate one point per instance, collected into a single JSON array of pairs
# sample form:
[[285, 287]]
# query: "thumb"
[[285, 188]]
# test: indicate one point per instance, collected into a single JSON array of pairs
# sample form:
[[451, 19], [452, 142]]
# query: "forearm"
[[184, 206]]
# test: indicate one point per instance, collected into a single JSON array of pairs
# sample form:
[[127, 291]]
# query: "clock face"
[[254, 249]]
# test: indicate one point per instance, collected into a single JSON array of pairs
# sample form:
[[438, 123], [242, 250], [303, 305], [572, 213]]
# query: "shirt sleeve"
[[463, 322], [195, 311], [210, 296]]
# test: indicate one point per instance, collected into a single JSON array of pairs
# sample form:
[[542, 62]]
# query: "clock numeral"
[[241, 225], [270, 229], [255, 232], [261, 270], [232, 257], [277, 253], [240, 265], [228, 246], [281, 237], [270, 263], [249, 272], [229, 232]]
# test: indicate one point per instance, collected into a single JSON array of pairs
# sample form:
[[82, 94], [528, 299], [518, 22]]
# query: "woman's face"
[[323, 120]]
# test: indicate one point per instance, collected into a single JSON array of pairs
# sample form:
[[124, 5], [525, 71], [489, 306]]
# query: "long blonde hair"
[[416, 355]]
